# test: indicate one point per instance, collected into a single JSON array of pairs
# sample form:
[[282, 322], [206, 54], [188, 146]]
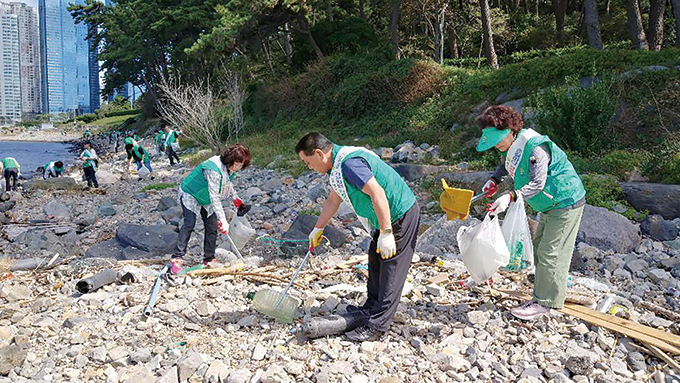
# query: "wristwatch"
[[386, 231]]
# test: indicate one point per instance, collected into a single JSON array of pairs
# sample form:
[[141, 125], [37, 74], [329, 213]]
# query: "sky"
[[32, 3]]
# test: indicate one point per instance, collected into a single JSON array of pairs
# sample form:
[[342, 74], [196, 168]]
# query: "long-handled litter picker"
[[156, 288], [233, 246]]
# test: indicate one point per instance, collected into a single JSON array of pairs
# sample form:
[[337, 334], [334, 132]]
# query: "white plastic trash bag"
[[483, 248], [517, 236], [143, 172], [240, 231]]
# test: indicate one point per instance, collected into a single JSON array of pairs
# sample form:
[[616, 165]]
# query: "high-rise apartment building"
[[10, 69], [68, 64], [29, 56]]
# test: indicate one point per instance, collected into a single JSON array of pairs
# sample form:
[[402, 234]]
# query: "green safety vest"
[[563, 187], [9, 162], [171, 137], [52, 165], [399, 195], [139, 152], [196, 184], [88, 163], [129, 140]]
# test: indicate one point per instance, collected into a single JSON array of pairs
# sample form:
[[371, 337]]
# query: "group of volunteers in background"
[[384, 203]]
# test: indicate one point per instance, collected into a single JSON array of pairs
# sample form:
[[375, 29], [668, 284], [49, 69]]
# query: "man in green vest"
[[387, 209], [201, 193], [90, 162], [548, 182], [11, 171], [53, 169]]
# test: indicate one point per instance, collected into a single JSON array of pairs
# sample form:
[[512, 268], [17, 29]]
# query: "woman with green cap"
[[548, 182]]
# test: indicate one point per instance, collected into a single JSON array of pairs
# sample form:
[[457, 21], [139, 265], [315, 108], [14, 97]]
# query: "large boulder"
[[607, 230], [412, 172], [658, 228], [441, 238], [303, 225], [154, 239], [58, 210], [60, 183], [106, 178], [106, 249], [657, 198], [166, 203], [7, 205]]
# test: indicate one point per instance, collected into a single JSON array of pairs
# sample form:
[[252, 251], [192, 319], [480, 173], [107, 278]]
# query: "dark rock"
[[657, 198], [59, 183], [135, 253], [320, 190], [58, 210], [139, 196], [106, 210], [579, 364], [303, 225], [4, 206], [607, 230], [412, 172], [86, 219], [166, 203], [106, 249], [39, 239], [637, 361], [658, 228], [11, 356], [5, 196], [172, 215], [156, 239]]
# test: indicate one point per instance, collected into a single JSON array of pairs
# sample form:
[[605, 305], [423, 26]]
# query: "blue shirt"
[[356, 172]]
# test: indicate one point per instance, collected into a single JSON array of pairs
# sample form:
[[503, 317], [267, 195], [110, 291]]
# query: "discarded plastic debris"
[[588, 283], [29, 264], [331, 324], [265, 301], [96, 281]]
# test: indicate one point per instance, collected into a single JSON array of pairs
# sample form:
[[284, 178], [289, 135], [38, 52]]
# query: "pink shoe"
[[529, 311], [176, 265]]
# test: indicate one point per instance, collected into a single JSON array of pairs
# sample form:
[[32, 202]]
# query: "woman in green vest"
[[90, 159], [201, 193], [11, 171], [385, 206], [548, 182]]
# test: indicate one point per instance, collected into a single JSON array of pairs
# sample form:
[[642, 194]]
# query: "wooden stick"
[[661, 335], [634, 330], [661, 355], [660, 310], [627, 331]]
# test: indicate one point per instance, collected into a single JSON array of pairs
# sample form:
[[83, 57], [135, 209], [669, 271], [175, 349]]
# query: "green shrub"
[[159, 186], [664, 164], [87, 118], [576, 118]]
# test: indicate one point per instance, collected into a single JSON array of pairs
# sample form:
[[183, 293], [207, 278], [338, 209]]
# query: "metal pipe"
[[283, 294], [331, 324], [155, 289], [96, 281]]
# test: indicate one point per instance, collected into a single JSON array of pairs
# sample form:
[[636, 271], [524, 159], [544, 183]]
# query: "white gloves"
[[315, 237], [387, 248], [501, 204], [490, 188], [223, 226]]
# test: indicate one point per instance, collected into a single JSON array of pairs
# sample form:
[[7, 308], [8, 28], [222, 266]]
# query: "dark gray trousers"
[[210, 237], [11, 179], [386, 277]]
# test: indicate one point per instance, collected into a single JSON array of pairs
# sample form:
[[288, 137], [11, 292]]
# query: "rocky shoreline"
[[204, 328]]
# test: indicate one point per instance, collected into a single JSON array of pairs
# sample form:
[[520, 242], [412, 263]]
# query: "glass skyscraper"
[[70, 80]]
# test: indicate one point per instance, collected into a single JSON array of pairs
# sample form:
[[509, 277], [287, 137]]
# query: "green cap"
[[491, 137]]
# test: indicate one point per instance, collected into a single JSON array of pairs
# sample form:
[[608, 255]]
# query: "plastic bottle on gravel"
[[589, 283]]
